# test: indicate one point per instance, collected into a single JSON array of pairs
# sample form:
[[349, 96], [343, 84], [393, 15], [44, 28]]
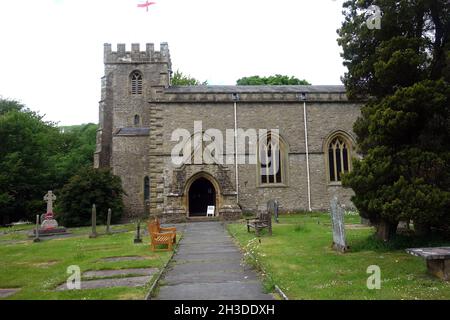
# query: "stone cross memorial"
[[337, 222], [49, 198], [48, 224], [49, 220]]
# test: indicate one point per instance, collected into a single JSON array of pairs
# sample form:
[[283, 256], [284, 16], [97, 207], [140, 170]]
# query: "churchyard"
[[112, 266], [299, 259]]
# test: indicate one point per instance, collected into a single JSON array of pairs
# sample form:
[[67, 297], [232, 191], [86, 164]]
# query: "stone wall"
[[162, 109]]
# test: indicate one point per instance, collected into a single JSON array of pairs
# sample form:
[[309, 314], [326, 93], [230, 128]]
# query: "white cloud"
[[51, 50]]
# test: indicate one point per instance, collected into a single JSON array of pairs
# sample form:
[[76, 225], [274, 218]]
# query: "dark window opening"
[[146, 188], [271, 165], [338, 159], [136, 83]]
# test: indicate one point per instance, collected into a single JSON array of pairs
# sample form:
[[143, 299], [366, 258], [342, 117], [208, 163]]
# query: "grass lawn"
[[299, 259], [38, 268]]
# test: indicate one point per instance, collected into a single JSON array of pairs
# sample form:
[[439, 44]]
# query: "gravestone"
[[438, 260], [108, 222], [36, 232], [338, 225], [93, 222], [272, 209], [138, 238], [48, 224]]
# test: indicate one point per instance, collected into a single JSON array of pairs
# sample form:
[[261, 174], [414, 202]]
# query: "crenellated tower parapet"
[[135, 55]]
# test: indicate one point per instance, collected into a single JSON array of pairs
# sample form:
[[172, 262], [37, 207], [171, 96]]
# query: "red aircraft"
[[145, 5]]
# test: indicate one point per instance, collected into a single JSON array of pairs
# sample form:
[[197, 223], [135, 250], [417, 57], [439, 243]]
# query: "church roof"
[[256, 89], [133, 132]]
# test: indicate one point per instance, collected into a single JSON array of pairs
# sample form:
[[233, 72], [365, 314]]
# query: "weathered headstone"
[[272, 208], [36, 232], [94, 222], [137, 238], [337, 222], [108, 222]]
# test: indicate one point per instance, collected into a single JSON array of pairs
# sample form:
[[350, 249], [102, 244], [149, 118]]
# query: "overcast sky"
[[51, 51]]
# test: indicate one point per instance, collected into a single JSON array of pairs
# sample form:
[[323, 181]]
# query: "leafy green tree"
[[36, 156], [180, 79], [75, 150], [90, 186], [26, 145], [402, 70], [275, 80]]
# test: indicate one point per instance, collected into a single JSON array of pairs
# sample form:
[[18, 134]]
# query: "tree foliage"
[[76, 149], [36, 156], [181, 79], [90, 186], [403, 133], [26, 144], [275, 80]]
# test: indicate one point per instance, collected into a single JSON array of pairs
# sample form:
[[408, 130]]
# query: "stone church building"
[[140, 110]]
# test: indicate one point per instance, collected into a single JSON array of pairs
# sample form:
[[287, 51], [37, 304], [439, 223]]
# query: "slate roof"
[[133, 132], [256, 89]]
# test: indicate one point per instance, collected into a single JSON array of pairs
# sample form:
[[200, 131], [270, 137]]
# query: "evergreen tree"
[[402, 70]]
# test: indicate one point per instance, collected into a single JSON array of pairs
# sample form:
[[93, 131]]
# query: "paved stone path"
[[5, 293], [208, 266]]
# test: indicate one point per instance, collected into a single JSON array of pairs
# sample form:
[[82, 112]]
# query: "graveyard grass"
[[299, 259], [38, 268]]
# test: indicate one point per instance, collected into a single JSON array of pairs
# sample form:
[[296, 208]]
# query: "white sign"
[[211, 210]]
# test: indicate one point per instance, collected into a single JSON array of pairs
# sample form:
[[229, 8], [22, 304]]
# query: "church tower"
[[132, 81]]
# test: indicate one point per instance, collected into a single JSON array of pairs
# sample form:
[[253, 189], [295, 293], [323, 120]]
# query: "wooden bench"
[[158, 238], [438, 260], [262, 221], [167, 229]]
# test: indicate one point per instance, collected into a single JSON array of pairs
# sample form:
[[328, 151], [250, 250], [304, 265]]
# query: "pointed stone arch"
[[207, 176], [339, 149]]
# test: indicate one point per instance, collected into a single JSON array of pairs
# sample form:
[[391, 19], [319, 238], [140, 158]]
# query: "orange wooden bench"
[[167, 229], [158, 238]]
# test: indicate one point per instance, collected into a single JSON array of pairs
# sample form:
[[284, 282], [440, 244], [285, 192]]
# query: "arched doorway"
[[201, 195]]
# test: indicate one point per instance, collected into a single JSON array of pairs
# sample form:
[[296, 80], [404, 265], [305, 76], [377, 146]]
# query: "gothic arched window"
[[272, 160], [339, 157], [136, 83]]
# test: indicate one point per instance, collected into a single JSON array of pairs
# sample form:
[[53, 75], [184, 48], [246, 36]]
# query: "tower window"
[[136, 83], [137, 120]]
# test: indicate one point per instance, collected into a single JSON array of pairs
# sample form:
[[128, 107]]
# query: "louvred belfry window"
[[136, 83]]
